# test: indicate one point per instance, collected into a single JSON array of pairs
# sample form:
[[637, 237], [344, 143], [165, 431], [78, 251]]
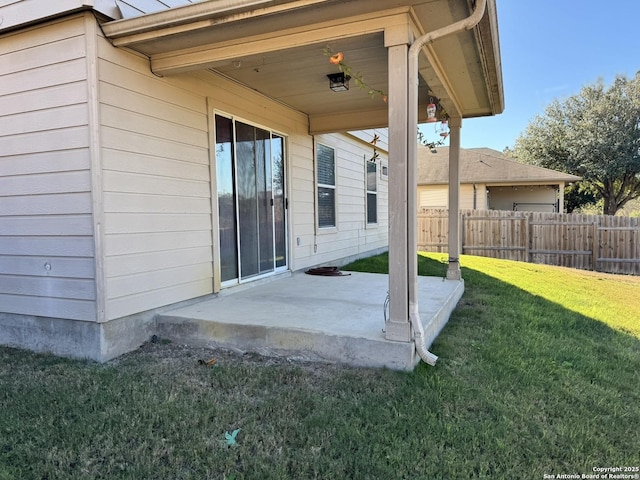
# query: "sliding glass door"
[[251, 200]]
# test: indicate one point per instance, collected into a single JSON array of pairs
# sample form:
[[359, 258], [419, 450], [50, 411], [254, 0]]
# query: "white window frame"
[[384, 171], [371, 192], [327, 186]]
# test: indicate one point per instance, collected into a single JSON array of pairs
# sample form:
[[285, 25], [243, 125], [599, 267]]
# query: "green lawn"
[[539, 373]]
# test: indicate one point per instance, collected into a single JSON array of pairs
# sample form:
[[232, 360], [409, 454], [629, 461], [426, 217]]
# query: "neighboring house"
[[156, 152], [490, 181]]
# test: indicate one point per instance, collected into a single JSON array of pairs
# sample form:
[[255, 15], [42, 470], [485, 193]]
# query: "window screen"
[[372, 192], [325, 158]]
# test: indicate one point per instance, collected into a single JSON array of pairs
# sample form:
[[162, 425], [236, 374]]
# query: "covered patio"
[[406, 55], [332, 319]]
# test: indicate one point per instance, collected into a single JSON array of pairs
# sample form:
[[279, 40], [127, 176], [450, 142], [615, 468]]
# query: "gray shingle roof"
[[483, 165], [135, 8]]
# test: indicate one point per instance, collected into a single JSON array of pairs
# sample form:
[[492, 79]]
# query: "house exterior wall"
[[47, 263], [481, 197], [156, 173], [433, 196], [437, 196], [156, 186], [157, 196], [534, 198], [106, 181], [352, 236]]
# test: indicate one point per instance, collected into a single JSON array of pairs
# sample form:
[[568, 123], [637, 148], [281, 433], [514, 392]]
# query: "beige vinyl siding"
[[466, 196], [367, 135], [433, 196], [248, 106], [139, 176], [155, 135], [156, 187], [437, 196], [302, 213], [46, 229], [481, 197], [352, 236]]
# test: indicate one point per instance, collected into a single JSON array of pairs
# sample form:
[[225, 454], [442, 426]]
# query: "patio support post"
[[398, 327], [453, 271], [455, 123]]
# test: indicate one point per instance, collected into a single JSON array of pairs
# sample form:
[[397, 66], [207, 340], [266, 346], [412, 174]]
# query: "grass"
[[538, 374]]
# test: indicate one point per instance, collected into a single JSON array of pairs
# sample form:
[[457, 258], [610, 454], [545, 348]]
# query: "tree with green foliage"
[[594, 134], [578, 195]]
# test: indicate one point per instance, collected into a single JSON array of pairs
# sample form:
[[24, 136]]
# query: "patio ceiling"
[[276, 48]]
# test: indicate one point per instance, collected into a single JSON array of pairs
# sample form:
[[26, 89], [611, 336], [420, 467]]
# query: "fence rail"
[[590, 242]]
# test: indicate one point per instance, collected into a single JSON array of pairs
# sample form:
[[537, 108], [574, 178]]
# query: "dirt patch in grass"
[[181, 356]]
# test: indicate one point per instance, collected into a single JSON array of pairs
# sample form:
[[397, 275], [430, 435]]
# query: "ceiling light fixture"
[[339, 82]]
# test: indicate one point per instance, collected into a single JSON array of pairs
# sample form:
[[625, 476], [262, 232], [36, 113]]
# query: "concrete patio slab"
[[336, 319]]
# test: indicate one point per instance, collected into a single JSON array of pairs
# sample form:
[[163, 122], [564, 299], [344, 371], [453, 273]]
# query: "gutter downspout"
[[412, 165], [475, 196]]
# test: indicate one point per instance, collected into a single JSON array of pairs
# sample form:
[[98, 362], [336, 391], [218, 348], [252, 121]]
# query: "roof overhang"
[[276, 47]]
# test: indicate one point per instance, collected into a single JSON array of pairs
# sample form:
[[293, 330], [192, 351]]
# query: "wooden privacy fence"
[[590, 242]]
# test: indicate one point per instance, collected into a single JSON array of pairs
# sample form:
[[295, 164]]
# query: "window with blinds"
[[372, 192], [326, 166]]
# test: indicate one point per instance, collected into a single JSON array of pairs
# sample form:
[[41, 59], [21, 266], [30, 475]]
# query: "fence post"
[[463, 232], [595, 247], [525, 234]]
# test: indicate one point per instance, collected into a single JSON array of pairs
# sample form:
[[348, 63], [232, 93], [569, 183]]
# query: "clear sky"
[[550, 49]]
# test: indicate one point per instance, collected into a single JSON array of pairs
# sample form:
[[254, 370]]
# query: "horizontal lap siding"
[[155, 158], [437, 196], [248, 106], [466, 196], [302, 204], [46, 228], [156, 187], [352, 236], [433, 196]]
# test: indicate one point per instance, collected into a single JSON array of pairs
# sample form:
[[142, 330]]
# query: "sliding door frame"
[[218, 284]]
